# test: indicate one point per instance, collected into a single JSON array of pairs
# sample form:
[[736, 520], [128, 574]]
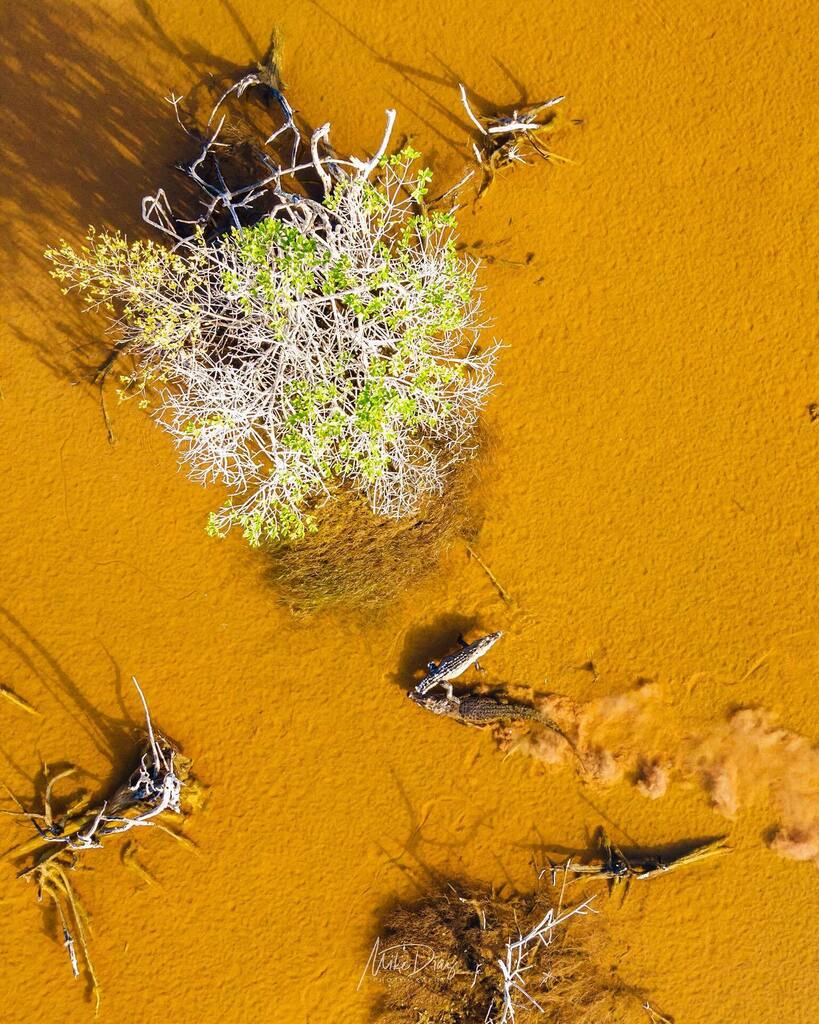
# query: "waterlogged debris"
[[504, 594], [17, 700], [160, 784], [478, 955], [618, 869], [505, 138], [471, 954]]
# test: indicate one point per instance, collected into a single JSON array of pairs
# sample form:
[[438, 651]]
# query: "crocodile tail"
[[556, 729], [524, 711]]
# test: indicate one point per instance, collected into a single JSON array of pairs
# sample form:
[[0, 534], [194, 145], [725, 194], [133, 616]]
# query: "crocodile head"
[[431, 702]]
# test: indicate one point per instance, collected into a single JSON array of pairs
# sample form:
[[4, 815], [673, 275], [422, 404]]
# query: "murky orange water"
[[651, 505]]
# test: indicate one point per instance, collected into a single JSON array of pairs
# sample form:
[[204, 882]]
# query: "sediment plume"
[[640, 738]]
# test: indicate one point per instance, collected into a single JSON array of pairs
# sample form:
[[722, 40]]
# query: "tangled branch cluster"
[[322, 334], [477, 955], [161, 782], [154, 786], [519, 958]]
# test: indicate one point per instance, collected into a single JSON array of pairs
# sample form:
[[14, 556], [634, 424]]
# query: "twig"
[[18, 701], [505, 595], [184, 840], [100, 378], [470, 112], [318, 135], [654, 1015], [366, 169], [128, 856]]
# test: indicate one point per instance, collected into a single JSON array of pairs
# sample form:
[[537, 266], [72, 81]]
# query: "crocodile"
[[453, 665], [480, 710], [476, 709]]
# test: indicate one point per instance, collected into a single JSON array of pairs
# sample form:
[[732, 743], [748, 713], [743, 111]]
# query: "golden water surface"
[[650, 504]]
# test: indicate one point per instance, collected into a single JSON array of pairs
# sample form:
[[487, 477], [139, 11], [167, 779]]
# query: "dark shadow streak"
[[112, 737]]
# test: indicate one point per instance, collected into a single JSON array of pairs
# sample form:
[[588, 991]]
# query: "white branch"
[[317, 136], [366, 169], [470, 112]]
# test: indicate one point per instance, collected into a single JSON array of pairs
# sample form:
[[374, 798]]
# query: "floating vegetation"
[[466, 954], [160, 784], [313, 329]]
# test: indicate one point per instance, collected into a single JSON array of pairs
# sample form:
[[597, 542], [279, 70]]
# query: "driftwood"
[[504, 139], [618, 869]]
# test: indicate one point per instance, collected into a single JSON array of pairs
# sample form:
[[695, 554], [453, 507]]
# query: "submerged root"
[[364, 560], [472, 956]]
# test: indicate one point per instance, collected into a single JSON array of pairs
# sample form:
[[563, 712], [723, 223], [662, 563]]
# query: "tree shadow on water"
[[112, 736], [87, 133]]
